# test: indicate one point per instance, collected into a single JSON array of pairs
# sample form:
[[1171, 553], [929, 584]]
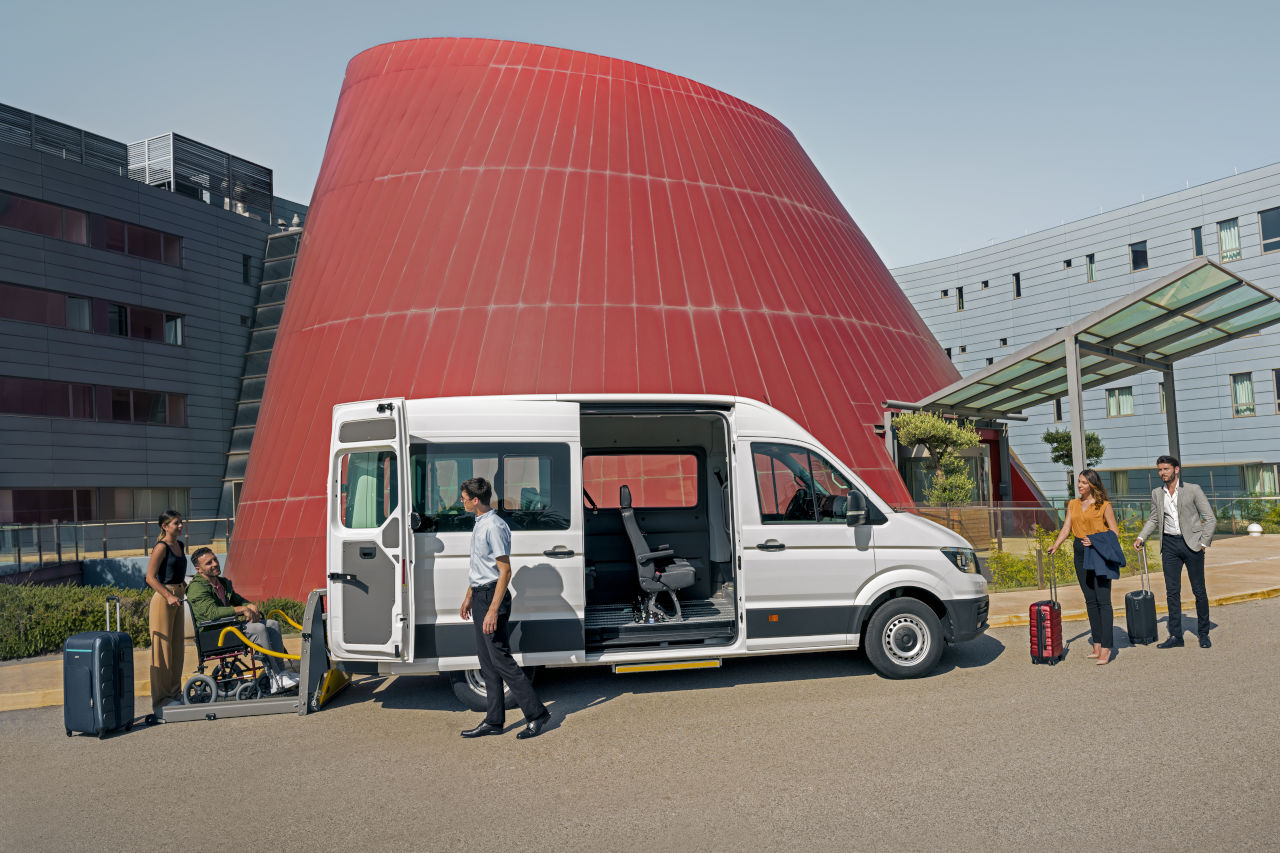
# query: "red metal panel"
[[494, 217]]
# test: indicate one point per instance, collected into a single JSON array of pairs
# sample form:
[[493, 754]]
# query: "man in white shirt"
[[488, 605], [1186, 523]]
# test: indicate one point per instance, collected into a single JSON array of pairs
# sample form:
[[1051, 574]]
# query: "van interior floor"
[[706, 620]]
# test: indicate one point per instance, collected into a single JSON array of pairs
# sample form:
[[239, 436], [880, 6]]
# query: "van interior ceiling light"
[[965, 559]]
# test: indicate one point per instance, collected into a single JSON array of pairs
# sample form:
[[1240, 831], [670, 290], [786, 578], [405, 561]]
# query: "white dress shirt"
[[1171, 511]]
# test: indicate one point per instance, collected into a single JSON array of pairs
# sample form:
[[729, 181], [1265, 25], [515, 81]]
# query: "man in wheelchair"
[[212, 597]]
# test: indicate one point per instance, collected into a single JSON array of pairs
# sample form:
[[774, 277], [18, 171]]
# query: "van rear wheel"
[[904, 638], [468, 686]]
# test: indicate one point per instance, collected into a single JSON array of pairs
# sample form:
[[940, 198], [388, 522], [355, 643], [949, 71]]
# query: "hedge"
[[1009, 571], [36, 620]]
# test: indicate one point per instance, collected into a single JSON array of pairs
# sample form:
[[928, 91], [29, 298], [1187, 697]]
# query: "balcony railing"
[[30, 546]]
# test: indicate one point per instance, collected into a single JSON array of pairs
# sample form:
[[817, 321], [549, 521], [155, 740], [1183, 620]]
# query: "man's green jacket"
[[205, 605]]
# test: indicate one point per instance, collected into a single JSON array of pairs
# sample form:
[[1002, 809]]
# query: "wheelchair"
[[236, 672]]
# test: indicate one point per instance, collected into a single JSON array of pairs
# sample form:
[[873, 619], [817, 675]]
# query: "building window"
[[1229, 240], [101, 232], [1119, 402], [118, 320], [245, 268], [959, 298], [1275, 388], [1004, 342], [1138, 256], [1197, 241], [985, 284], [990, 361], [948, 352], [80, 313], [1066, 265], [1120, 482], [43, 398], [1017, 285], [946, 293], [1090, 270], [1162, 403], [1269, 225], [964, 348], [1057, 410], [1242, 395], [173, 329]]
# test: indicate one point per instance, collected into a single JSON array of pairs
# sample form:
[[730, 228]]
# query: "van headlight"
[[964, 559]]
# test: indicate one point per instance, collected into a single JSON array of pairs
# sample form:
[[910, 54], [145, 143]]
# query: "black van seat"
[[659, 569]]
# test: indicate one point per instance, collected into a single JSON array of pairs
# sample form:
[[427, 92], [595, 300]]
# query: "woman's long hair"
[[1095, 485]]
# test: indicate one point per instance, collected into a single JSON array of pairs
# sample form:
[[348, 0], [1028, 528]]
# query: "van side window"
[[656, 480], [530, 483], [796, 486], [367, 489]]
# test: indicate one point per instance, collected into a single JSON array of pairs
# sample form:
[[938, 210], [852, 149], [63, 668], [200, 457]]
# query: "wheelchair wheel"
[[248, 690], [199, 690], [227, 674]]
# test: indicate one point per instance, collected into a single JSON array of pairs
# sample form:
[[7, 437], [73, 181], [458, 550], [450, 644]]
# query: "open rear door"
[[370, 546]]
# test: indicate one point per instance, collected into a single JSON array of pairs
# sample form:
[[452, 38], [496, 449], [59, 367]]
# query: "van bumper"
[[966, 618]]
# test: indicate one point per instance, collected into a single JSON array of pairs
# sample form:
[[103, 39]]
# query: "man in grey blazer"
[[1181, 513]]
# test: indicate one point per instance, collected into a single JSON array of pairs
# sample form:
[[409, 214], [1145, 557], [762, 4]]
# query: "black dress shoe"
[[1204, 642], [1171, 643], [535, 727], [482, 730]]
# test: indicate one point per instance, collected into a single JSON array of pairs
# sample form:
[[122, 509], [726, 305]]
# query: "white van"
[[774, 545]]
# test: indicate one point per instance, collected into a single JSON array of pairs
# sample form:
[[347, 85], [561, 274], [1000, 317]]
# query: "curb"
[[1082, 616]]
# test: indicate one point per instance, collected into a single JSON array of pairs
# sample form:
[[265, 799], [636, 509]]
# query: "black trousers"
[[1097, 599], [1174, 554], [496, 664]]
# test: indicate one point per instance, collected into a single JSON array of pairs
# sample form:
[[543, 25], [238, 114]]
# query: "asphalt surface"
[[1159, 749]]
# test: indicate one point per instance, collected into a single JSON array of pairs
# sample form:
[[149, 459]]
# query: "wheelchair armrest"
[[220, 623], [662, 553]]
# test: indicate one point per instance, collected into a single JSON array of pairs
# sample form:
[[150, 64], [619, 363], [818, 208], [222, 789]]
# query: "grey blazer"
[[1195, 517]]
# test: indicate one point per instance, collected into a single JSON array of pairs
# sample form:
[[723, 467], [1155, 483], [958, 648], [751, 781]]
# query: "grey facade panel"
[[1054, 296]]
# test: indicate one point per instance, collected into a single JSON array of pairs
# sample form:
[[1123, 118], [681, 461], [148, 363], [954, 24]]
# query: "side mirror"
[[855, 509], [419, 524]]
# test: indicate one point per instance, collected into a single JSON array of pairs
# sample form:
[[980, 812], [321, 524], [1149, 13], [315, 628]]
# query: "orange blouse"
[[1086, 521]]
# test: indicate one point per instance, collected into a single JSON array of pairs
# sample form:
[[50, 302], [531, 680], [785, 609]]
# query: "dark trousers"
[[496, 663], [1174, 554], [1097, 599]]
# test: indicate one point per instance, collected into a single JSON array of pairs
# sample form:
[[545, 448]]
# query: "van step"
[[620, 615], [667, 666]]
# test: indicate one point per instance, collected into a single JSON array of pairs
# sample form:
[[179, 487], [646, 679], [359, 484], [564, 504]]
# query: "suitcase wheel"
[[128, 725], [68, 732], [101, 735]]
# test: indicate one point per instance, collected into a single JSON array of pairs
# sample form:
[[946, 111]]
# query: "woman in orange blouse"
[[1091, 513]]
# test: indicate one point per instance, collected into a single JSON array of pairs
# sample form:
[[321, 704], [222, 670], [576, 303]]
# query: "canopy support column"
[[1006, 473], [1171, 413], [1075, 407]]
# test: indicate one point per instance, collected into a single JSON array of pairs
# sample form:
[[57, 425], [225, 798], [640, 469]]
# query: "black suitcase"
[[97, 679], [1140, 609]]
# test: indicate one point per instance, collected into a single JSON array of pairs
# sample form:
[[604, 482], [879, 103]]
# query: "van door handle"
[[558, 552], [771, 545], [367, 552]]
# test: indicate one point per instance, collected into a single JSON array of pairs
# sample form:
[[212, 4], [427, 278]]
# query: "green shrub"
[[1009, 571], [295, 610], [36, 620]]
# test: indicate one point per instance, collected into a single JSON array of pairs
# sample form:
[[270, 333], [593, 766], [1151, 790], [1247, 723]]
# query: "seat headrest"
[[624, 497]]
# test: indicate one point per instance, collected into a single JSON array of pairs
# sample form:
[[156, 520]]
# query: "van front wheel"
[[904, 639], [468, 686]]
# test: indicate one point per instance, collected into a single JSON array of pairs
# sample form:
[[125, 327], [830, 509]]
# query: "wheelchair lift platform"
[[317, 683]]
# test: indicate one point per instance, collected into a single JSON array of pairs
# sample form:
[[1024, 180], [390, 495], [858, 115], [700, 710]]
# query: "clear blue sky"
[[941, 125]]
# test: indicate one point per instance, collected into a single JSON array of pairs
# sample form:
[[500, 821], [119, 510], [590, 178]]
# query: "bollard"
[[144, 539], [1039, 569], [57, 540], [104, 540]]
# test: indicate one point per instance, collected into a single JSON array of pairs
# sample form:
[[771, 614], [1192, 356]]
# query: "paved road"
[[1160, 749]]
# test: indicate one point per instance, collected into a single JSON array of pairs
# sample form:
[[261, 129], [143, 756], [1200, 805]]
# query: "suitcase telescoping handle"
[[1142, 560], [116, 599]]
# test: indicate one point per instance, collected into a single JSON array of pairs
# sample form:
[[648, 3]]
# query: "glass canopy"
[[1198, 307]]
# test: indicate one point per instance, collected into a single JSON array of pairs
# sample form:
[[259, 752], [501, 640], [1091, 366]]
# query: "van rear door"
[[370, 547]]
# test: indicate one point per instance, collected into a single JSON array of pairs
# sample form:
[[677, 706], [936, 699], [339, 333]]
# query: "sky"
[[941, 126]]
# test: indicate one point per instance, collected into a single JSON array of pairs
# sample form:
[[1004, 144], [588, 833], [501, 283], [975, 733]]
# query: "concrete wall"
[[1053, 296], [208, 289]]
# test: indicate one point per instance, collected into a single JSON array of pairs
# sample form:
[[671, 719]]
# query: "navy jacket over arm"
[[1104, 557]]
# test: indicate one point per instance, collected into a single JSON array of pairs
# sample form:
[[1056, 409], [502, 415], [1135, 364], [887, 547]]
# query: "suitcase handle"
[[1142, 560], [116, 599]]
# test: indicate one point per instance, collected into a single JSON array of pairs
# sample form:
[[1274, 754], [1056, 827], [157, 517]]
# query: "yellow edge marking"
[[662, 667]]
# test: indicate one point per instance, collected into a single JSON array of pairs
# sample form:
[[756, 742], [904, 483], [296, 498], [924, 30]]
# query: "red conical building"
[[598, 226]]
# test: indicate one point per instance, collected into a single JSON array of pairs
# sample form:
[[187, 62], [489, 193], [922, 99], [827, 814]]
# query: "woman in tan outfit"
[[166, 574], [1089, 514]]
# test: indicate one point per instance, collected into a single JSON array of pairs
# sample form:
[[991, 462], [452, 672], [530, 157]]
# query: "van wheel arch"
[[935, 604]]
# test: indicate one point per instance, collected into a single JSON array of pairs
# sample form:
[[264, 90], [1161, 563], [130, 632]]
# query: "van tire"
[[904, 638], [468, 686]]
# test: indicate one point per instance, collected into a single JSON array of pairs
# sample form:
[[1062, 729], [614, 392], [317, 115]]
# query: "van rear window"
[[656, 480], [530, 483]]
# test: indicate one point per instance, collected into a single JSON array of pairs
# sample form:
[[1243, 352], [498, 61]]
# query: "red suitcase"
[[1046, 627]]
